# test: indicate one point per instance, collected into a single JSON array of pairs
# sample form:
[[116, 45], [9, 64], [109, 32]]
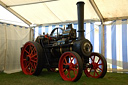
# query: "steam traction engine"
[[71, 55]]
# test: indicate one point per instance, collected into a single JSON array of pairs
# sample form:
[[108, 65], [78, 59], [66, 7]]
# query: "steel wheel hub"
[[67, 66], [28, 58], [95, 65]]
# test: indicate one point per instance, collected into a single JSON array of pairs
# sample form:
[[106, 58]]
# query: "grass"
[[51, 78]]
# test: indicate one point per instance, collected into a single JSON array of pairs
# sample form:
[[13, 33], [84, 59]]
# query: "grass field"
[[51, 78]]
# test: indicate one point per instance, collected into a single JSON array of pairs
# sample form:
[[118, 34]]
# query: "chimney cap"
[[80, 2]]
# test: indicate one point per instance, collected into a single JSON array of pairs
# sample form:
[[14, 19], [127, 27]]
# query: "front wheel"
[[70, 66], [97, 66]]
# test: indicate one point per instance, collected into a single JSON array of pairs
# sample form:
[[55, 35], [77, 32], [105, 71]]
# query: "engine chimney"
[[80, 13]]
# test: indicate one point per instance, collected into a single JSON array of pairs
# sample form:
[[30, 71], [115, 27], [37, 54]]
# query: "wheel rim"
[[29, 59], [95, 67], [68, 66]]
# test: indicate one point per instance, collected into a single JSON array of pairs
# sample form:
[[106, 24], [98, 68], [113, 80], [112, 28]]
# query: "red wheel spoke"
[[34, 55], [27, 52], [74, 69], [100, 69], [34, 61], [35, 65], [65, 61], [97, 73], [69, 74], [64, 69], [30, 48], [90, 70], [27, 66], [94, 72], [32, 51], [74, 73], [34, 58], [76, 64], [70, 58], [32, 66], [98, 60]]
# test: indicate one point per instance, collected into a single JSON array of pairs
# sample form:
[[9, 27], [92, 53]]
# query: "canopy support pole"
[[97, 10], [102, 40], [102, 25], [15, 13]]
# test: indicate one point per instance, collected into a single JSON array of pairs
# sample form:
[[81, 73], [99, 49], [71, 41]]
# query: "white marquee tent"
[[60, 11], [48, 12]]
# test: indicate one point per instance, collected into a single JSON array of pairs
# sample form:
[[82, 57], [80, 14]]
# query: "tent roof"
[[65, 11], [7, 17]]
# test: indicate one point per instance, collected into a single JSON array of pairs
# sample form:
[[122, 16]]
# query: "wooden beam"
[[15, 13]]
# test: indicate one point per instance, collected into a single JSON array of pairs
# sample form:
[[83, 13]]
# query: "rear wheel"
[[97, 66], [70, 66], [31, 58]]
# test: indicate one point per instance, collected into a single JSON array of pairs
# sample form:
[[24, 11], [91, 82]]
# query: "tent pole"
[[102, 25], [92, 2], [31, 38], [102, 39]]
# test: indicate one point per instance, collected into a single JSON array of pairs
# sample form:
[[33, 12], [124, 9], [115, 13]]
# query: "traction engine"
[[63, 50]]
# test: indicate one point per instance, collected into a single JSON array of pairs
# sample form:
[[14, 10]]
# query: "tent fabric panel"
[[16, 38], [66, 10], [37, 13], [2, 46], [112, 8], [59, 11], [17, 2], [117, 60], [55, 12], [12, 38]]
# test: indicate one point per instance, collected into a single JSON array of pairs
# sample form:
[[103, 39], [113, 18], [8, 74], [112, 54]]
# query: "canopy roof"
[[65, 11]]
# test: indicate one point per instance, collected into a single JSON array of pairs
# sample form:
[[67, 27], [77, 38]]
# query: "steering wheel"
[[54, 30]]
